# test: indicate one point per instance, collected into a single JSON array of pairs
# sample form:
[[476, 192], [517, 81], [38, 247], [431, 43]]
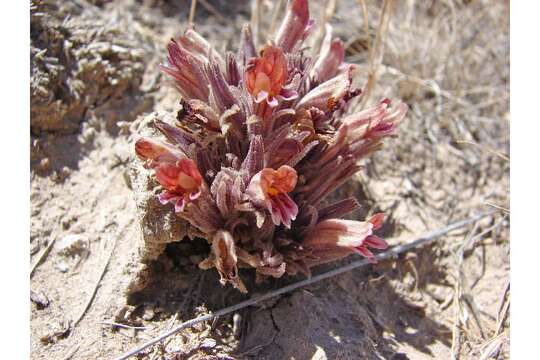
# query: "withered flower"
[[376, 122], [263, 137], [226, 260]]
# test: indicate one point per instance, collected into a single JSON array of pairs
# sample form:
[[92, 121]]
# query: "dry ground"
[[94, 77]]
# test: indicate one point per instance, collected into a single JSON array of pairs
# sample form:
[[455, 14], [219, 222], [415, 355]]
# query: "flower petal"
[[179, 205], [261, 96], [288, 94], [362, 250], [272, 102], [377, 220], [375, 242], [165, 197]]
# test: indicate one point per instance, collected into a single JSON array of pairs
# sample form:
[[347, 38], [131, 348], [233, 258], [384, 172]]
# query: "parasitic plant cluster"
[[261, 140]]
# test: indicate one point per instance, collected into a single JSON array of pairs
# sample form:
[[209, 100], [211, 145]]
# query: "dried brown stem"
[[256, 6], [275, 13], [42, 256], [94, 291], [192, 10], [211, 9], [366, 25], [377, 52]]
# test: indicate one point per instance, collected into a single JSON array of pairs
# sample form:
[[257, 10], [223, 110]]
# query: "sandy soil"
[[94, 81]]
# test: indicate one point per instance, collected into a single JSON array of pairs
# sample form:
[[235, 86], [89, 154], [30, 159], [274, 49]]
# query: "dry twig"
[[123, 326], [366, 25], [94, 291], [256, 9], [485, 148], [492, 346], [71, 353], [458, 294], [192, 12], [504, 305], [211, 9], [275, 13], [498, 207], [42, 256], [376, 55]]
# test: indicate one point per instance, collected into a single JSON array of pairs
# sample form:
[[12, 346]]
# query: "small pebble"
[[45, 164], [39, 298], [148, 314], [66, 171], [62, 266], [73, 244], [237, 325], [208, 343]]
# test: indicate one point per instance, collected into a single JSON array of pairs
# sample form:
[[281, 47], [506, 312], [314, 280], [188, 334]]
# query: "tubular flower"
[[263, 137], [335, 237], [266, 75], [190, 82], [331, 59], [175, 172], [271, 187], [295, 26], [376, 122], [331, 94]]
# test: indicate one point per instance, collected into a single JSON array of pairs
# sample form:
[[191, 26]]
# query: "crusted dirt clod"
[[80, 58], [159, 225]]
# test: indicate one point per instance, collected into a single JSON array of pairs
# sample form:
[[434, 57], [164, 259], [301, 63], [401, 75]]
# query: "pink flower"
[[333, 239], [266, 75], [330, 60], [376, 122], [270, 188], [174, 171], [331, 94]]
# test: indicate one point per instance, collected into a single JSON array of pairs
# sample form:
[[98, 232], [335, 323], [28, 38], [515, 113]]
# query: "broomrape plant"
[[261, 140]]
